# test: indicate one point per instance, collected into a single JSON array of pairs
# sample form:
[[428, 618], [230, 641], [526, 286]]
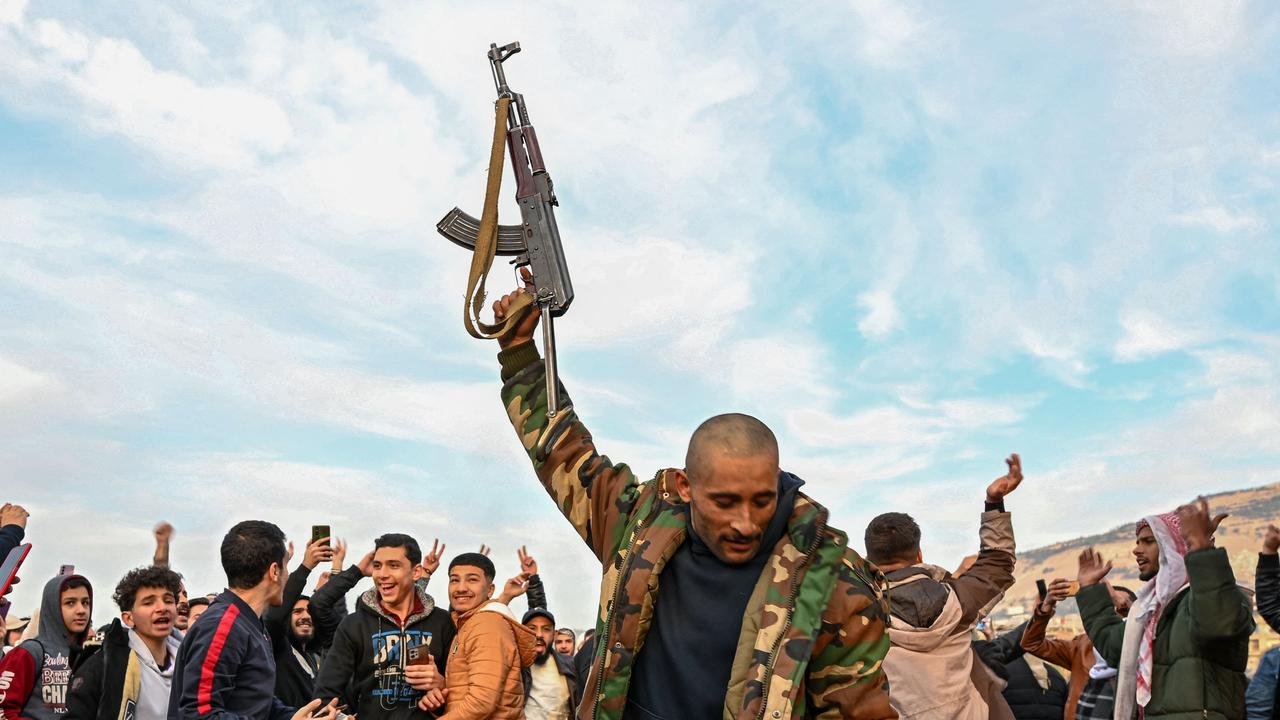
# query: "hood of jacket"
[[526, 639], [370, 603], [924, 613], [53, 632]]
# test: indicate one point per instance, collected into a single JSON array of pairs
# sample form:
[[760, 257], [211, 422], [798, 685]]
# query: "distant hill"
[[1241, 534]]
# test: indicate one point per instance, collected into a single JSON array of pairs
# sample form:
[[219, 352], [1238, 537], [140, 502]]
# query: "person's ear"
[[919, 556], [127, 617], [684, 486], [492, 587]]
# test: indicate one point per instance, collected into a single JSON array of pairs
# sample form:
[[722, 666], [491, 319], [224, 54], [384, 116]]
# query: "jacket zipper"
[[617, 586], [608, 619], [791, 606]]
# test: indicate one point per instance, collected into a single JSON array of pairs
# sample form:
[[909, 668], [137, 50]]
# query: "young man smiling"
[[491, 649], [131, 674], [34, 676], [367, 667]]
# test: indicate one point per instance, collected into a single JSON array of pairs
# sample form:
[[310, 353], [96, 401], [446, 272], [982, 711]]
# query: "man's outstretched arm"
[[593, 493], [992, 573]]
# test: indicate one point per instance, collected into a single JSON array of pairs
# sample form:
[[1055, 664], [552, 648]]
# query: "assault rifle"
[[535, 242]]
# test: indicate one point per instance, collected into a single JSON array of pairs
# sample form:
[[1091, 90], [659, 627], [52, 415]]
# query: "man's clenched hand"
[[524, 330], [13, 515]]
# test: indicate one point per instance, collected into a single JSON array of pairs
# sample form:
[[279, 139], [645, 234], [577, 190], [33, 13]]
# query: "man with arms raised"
[[226, 667], [367, 665], [1182, 651], [725, 594]]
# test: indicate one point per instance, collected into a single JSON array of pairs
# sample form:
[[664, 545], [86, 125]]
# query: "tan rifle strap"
[[487, 244]]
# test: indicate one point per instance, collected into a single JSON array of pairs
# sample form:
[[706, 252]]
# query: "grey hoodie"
[[44, 670]]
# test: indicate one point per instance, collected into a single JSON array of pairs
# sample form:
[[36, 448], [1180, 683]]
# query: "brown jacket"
[[483, 673], [1075, 655]]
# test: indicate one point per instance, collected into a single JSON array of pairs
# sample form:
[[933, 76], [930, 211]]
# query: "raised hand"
[[339, 553], [11, 514], [163, 533], [524, 330], [1059, 590], [1197, 526], [528, 566], [514, 588], [1092, 567], [317, 551], [1002, 486], [366, 564], [431, 562], [1271, 540], [323, 579]]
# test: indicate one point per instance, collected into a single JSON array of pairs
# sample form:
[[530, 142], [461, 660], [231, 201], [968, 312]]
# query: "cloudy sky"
[[911, 237]]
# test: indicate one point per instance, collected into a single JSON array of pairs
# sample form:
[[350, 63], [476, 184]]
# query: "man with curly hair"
[[132, 672]]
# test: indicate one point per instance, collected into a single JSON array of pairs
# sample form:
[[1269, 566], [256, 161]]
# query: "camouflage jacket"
[[813, 636]]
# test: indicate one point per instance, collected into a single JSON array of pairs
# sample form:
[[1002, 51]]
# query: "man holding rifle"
[[726, 592]]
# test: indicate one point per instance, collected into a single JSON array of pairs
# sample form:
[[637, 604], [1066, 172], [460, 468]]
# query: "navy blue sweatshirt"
[[225, 668], [696, 622], [10, 538]]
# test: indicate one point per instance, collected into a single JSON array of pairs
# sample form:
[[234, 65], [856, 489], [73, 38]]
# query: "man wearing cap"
[[551, 689]]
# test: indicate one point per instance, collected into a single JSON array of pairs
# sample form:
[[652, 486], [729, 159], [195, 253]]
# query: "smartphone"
[[419, 654], [67, 570], [9, 570], [1042, 588], [319, 532]]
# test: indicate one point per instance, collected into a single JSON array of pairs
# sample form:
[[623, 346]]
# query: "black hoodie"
[[364, 667]]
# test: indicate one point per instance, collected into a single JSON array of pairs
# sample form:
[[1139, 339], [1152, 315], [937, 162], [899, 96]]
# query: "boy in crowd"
[[489, 653], [130, 674], [38, 671], [368, 666]]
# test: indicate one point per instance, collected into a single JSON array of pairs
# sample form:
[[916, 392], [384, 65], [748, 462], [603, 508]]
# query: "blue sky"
[[911, 237]]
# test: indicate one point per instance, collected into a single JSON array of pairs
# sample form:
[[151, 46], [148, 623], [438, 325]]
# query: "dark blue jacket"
[[225, 668]]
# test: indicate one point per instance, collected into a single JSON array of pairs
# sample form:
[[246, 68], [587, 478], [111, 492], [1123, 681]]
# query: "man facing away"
[[131, 674], [226, 666], [1183, 650], [723, 570], [34, 676], [368, 664], [930, 661]]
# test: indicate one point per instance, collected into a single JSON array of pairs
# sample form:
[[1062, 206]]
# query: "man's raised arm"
[[992, 573], [593, 493]]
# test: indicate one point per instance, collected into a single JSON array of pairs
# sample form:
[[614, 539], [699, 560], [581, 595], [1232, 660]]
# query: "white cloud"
[[1147, 335], [882, 313], [17, 381], [1219, 219]]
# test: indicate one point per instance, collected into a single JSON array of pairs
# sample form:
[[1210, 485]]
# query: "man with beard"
[[130, 674], [566, 642], [550, 683], [195, 608], [34, 676], [368, 667], [292, 632], [1183, 650]]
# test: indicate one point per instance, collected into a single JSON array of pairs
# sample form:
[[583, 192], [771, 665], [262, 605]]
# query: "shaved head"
[[733, 435]]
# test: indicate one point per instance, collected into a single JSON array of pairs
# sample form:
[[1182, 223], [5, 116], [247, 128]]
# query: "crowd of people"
[[725, 593]]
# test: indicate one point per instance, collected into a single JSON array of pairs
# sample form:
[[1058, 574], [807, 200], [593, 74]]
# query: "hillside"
[[1241, 534]]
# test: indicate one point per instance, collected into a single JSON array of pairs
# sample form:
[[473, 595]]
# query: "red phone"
[[9, 570]]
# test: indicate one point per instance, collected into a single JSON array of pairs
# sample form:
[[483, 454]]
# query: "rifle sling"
[[487, 244]]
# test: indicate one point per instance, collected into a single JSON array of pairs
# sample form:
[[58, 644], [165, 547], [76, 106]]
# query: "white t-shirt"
[[549, 696]]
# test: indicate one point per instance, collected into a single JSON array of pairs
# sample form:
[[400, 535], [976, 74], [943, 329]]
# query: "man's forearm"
[[992, 572], [595, 495]]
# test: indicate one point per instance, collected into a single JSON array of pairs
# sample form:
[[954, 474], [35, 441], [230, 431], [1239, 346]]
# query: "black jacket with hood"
[[297, 662], [41, 668], [364, 667]]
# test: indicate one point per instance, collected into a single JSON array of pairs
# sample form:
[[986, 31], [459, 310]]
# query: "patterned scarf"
[[1157, 593]]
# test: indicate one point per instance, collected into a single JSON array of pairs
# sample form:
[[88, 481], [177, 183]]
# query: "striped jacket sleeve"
[[209, 669]]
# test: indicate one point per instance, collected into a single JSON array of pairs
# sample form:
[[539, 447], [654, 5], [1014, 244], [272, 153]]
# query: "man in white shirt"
[[550, 683]]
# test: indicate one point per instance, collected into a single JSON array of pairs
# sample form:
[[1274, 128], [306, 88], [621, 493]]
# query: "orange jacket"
[[483, 674], [1075, 655]]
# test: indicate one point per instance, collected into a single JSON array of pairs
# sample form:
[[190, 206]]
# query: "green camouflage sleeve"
[[594, 494], [846, 678]]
